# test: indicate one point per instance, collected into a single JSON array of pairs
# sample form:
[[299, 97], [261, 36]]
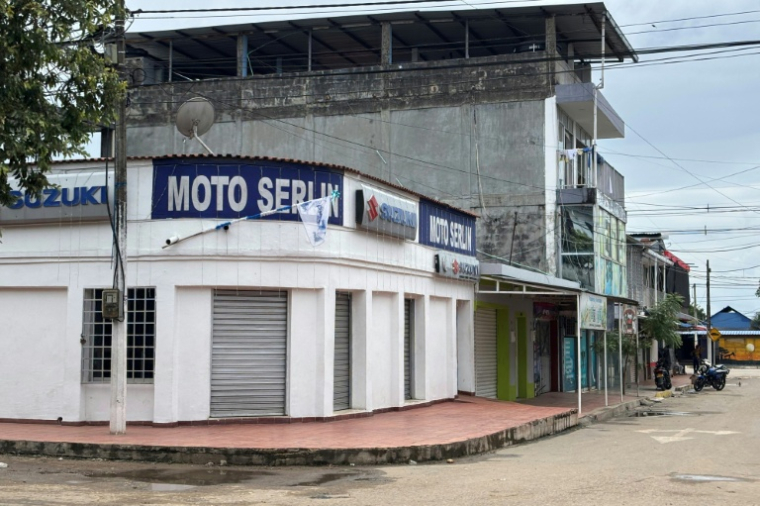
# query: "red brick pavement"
[[593, 400], [448, 422]]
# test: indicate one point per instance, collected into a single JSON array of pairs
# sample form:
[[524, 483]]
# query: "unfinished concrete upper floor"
[[566, 34]]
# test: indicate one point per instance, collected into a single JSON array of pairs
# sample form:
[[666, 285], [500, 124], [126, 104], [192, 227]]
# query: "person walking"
[[697, 357]]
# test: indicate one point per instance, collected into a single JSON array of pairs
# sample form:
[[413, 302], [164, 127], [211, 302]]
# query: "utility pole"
[[709, 323], [118, 420], [694, 311]]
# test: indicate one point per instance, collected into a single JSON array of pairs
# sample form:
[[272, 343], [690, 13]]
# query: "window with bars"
[[141, 337]]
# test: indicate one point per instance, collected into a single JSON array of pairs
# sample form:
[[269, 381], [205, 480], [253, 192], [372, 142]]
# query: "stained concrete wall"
[[473, 135]]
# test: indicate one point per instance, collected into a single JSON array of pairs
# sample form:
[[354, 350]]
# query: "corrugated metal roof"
[[275, 159], [350, 41], [724, 333]]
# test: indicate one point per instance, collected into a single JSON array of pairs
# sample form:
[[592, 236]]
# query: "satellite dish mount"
[[194, 118]]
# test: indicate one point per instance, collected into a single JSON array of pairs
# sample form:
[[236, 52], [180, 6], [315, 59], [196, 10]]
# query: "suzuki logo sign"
[[372, 206], [456, 266], [386, 213]]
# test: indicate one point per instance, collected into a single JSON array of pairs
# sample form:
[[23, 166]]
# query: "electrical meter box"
[[113, 305]]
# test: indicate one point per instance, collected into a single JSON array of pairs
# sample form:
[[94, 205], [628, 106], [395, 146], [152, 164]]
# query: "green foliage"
[[755, 323], [55, 87], [701, 315], [662, 321]]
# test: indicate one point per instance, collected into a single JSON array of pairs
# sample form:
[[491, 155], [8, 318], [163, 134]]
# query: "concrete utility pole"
[[118, 420], [709, 322]]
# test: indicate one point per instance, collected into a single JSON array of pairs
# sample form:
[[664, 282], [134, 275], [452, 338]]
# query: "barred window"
[[141, 337]]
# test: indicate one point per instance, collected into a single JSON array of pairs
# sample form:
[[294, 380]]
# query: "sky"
[[691, 154]]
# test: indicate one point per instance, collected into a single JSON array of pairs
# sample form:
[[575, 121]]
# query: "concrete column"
[[465, 347], [165, 382], [310, 352], [551, 50], [451, 348], [386, 47], [422, 335], [361, 328], [242, 55]]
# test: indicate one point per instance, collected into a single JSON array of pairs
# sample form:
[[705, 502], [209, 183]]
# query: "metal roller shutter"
[[408, 339], [342, 364], [485, 353], [249, 353]]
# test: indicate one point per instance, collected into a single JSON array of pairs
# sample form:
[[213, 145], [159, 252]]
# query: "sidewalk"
[[593, 407], [465, 426]]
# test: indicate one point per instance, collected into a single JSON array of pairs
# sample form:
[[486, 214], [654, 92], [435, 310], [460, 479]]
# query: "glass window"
[[579, 268], [578, 230], [141, 337], [622, 242]]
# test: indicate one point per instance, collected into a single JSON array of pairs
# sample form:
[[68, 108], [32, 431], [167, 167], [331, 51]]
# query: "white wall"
[[32, 361], [551, 180], [62, 260]]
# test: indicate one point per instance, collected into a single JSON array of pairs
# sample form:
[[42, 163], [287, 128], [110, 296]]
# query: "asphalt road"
[[706, 451]]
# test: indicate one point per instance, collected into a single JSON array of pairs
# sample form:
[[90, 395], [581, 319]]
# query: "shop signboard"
[[457, 266], [569, 376], [630, 320], [448, 229], [593, 312], [386, 213], [72, 196], [229, 190]]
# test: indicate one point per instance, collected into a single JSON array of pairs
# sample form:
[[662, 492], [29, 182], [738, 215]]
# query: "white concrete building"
[[251, 320]]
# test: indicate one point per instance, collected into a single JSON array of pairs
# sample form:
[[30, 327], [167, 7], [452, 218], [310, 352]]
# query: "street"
[[703, 451]]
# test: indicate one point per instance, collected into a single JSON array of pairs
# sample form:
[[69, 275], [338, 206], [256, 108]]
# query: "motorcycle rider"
[[697, 357]]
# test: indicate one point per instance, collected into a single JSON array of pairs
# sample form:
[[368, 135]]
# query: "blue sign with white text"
[[446, 228], [229, 190]]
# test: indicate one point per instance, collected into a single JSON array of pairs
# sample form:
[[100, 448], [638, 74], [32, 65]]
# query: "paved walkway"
[[448, 422], [594, 400], [465, 426]]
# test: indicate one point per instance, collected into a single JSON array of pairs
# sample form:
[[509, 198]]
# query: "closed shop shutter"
[[249, 353], [342, 364], [485, 353], [408, 340]]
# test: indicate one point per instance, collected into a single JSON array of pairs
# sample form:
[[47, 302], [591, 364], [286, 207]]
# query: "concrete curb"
[[604, 414], [298, 456]]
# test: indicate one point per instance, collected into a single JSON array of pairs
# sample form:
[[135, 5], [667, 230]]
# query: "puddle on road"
[[170, 479], [704, 478], [169, 487], [325, 478], [644, 414]]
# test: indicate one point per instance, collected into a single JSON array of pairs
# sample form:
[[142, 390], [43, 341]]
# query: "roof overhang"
[[354, 40], [510, 280], [577, 100]]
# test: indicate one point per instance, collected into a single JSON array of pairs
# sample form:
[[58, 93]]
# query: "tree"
[[55, 85], [662, 321], [701, 315], [755, 323], [613, 346]]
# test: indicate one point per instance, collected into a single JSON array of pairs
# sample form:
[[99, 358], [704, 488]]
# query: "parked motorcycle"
[[710, 375], [662, 376]]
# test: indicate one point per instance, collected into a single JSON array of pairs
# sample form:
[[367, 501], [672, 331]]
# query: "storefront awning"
[[509, 280]]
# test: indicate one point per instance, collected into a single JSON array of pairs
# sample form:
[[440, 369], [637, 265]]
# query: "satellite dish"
[[194, 118]]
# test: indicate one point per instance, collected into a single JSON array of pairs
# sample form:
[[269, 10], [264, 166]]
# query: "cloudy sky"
[[692, 129]]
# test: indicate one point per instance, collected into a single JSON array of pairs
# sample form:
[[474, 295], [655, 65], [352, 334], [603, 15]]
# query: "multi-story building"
[[491, 110], [476, 108]]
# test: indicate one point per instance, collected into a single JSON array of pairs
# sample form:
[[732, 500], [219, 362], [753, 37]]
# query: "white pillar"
[[422, 336], [361, 330], [465, 347]]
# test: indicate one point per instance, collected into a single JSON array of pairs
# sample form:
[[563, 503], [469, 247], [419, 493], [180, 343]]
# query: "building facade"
[[234, 318], [476, 108]]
